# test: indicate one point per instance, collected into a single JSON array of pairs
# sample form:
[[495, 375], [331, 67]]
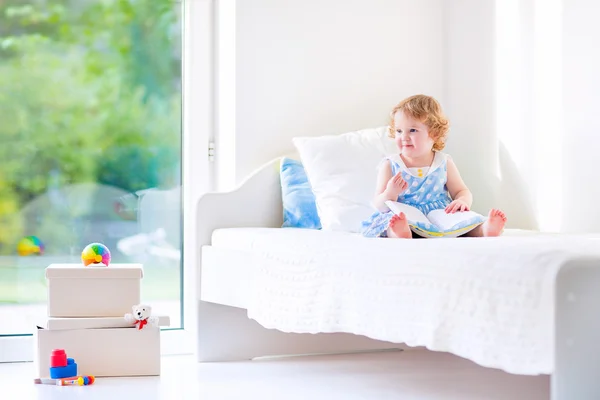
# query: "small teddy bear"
[[141, 316]]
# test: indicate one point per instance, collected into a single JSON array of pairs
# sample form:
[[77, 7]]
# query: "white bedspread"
[[489, 300]]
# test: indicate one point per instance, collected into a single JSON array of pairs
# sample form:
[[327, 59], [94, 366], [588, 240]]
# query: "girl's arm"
[[456, 186], [388, 187]]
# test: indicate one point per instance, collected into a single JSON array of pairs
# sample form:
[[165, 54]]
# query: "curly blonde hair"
[[428, 111]]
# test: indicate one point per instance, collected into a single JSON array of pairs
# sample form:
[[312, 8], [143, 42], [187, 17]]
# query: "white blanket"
[[489, 300]]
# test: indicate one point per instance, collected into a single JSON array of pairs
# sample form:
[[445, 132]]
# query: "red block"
[[58, 358]]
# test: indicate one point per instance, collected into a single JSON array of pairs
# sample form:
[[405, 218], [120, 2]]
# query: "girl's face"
[[412, 136]]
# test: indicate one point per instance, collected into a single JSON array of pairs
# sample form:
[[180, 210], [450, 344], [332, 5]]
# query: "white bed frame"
[[225, 333]]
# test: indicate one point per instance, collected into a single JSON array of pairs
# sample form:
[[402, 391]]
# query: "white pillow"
[[342, 170]]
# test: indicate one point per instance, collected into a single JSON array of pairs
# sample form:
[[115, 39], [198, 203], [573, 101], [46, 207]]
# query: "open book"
[[437, 223]]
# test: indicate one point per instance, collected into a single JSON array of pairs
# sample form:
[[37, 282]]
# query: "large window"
[[90, 146]]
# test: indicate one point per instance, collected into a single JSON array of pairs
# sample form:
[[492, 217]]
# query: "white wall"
[[581, 102], [522, 92], [518, 79], [317, 67]]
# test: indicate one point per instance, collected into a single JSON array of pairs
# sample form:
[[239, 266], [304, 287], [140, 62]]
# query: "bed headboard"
[[255, 202]]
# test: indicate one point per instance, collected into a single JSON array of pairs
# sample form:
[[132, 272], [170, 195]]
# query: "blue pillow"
[[299, 205]]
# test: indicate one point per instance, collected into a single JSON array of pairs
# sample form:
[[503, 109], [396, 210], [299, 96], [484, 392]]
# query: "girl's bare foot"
[[495, 223], [398, 227]]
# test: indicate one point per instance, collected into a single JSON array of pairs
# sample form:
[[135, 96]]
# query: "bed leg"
[[224, 333], [227, 334], [577, 332]]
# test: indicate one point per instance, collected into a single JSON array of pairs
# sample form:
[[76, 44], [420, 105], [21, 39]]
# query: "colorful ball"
[[95, 253], [30, 245]]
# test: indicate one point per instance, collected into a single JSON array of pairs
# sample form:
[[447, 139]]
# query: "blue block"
[[64, 372]]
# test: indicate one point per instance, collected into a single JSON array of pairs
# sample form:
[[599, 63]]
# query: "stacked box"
[[86, 318]]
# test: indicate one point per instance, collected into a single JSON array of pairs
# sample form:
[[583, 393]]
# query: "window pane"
[[90, 145]]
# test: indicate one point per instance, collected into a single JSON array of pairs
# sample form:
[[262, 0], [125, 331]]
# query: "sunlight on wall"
[[225, 94], [528, 62], [548, 112]]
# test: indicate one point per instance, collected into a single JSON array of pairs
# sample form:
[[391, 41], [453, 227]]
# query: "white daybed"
[[522, 303]]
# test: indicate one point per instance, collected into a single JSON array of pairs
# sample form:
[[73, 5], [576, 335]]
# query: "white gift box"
[[99, 346], [93, 291]]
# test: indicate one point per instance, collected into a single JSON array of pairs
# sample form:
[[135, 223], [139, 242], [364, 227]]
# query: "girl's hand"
[[396, 185], [457, 205]]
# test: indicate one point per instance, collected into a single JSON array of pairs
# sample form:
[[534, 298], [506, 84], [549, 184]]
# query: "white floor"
[[408, 375]]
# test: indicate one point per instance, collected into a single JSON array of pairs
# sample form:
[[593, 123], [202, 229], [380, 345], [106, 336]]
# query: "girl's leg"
[[398, 227], [492, 227]]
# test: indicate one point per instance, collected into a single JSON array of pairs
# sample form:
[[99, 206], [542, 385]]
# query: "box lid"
[[113, 271], [93, 323]]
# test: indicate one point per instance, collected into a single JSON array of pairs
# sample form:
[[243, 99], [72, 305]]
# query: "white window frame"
[[197, 88]]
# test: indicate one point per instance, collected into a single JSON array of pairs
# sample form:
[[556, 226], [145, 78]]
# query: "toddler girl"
[[419, 128]]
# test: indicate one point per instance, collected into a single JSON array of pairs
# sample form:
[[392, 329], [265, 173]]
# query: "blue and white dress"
[[426, 191]]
